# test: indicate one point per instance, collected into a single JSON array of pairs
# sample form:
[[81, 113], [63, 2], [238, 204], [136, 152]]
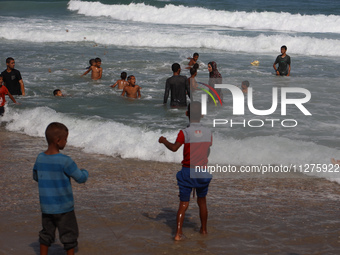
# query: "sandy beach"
[[129, 207]]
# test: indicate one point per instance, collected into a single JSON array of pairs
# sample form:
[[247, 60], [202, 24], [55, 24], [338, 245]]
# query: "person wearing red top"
[[197, 140], [4, 91]]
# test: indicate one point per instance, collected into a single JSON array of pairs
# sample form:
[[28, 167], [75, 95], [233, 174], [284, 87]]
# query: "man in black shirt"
[[284, 63], [12, 78], [179, 87]]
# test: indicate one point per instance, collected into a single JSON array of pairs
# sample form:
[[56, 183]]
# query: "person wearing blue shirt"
[[53, 172]]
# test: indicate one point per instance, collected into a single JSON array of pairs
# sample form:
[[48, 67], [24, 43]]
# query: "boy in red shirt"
[[197, 140], [3, 92]]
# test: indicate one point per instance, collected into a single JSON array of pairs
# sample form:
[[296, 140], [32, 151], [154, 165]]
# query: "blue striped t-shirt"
[[53, 172]]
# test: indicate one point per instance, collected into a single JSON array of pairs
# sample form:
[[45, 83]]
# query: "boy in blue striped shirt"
[[52, 170]]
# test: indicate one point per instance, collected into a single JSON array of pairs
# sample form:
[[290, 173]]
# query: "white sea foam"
[[96, 135], [93, 135], [120, 35], [172, 14]]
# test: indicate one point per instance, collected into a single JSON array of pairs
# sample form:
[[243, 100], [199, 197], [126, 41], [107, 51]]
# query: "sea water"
[[52, 42]]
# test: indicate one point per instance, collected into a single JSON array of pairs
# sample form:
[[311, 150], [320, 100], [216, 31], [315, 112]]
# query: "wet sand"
[[129, 207]]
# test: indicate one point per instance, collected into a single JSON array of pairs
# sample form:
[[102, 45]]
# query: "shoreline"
[[129, 206]]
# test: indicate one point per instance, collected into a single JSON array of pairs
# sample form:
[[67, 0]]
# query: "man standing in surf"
[[284, 63], [12, 78], [179, 86]]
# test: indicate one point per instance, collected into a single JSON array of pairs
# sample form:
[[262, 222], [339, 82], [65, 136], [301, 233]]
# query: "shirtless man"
[[132, 90], [122, 82], [97, 71]]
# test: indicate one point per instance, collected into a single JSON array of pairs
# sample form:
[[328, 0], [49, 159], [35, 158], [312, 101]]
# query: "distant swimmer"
[[97, 71], [193, 60], [57, 93], [132, 90], [179, 87], [284, 63], [245, 86], [12, 78], [122, 82]]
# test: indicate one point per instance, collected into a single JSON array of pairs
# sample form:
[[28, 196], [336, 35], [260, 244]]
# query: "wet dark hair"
[[91, 61], [55, 130], [284, 47], [97, 60], [55, 92], [196, 66], [193, 71], [130, 76], [194, 111], [175, 67], [9, 60], [123, 75], [196, 54], [246, 83]]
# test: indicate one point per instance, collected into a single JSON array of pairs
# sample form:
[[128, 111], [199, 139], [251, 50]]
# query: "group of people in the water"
[[178, 86]]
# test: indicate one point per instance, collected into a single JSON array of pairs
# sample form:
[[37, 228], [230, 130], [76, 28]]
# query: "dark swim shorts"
[[67, 226], [185, 184]]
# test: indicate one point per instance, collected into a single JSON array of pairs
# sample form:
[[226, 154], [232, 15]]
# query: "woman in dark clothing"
[[215, 78]]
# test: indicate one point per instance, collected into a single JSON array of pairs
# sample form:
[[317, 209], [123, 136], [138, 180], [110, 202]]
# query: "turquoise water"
[[52, 42]]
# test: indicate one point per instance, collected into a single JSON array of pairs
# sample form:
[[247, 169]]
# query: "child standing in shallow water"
[[197, 141], [97, 71], [132, 90], [52, 170]]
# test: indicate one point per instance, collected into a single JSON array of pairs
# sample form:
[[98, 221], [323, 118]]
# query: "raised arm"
[[114, 85], [171, 146], [12, 98], [87, 71], [72, 170]]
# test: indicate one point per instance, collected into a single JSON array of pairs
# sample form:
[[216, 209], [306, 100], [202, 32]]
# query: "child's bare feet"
[[203, 232], [179, 237]]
